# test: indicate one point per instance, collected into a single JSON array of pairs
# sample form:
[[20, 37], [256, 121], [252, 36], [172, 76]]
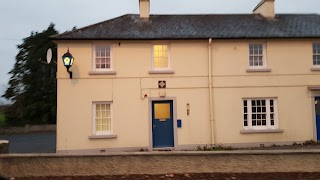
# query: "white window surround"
[[103, 71], [264, 110], [315, 56], [101, 134], [259, 68], [166, 70]]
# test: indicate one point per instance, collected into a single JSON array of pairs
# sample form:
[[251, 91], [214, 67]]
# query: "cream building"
[[182, 81]]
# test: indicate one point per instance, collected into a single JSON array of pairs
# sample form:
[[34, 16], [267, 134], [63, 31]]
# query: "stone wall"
[[4, 147], [159, 163], [28, 129]]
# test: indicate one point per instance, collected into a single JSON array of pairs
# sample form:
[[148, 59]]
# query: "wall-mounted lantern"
[[67, 60]]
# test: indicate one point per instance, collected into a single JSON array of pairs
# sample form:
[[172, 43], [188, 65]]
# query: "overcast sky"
[[19, 17]]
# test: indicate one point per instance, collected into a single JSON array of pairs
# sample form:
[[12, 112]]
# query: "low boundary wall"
[[159, 163], [28, 129]]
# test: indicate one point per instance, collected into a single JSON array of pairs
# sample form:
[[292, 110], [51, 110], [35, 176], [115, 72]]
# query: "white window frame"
[[94, 57], [268, 120], [152, 59], [264, 56], [313, 54], [94, 132]]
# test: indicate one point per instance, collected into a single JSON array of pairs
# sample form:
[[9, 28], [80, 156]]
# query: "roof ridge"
[[86, 27]]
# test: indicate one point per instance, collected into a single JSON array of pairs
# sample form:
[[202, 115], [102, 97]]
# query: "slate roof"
[[231, 26]]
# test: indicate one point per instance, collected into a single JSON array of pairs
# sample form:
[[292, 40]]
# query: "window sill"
[[110, 136], [258, 70], [161, 72], [251, 131], [102, 73], [315, 69]]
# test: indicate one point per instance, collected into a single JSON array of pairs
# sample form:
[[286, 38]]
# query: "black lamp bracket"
[[70, 72]]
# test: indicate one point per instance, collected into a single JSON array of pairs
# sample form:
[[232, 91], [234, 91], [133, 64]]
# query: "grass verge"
[[2, 118]]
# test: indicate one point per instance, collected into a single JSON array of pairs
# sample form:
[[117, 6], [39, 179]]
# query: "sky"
[[18, 18]]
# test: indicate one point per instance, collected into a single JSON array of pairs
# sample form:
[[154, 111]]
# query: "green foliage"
[[310, 142], [2, 119], [143, 149], [216, 148], [32, 86]]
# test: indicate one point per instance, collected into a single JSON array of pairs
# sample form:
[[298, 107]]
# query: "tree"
[[32, 86]]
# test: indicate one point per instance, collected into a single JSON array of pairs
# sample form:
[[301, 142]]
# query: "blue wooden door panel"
[[162, 129], [318, 126], [317, 110]]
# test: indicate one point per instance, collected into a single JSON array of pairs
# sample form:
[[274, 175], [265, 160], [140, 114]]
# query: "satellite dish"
[[49, 55]]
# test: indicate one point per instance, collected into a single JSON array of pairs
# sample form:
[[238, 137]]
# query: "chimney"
[[144, 9], [265, 8]]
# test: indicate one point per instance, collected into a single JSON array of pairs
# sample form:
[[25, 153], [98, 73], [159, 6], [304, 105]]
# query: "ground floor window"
[[260, 113], [102, 119]]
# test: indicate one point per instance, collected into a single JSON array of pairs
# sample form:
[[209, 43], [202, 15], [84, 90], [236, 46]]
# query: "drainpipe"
[[212, 138]]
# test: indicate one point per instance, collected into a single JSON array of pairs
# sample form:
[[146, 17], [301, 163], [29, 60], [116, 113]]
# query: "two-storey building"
[[182, 81]]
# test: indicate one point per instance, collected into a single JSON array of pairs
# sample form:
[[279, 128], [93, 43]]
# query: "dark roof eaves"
[[200, 38]]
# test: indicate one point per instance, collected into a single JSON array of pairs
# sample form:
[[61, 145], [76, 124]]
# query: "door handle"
[[154, 126]]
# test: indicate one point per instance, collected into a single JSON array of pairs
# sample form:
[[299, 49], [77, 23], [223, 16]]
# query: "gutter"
[[212, 128]]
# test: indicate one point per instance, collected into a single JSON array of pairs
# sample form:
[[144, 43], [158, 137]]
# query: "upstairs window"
[[102, 58], [256, 56], [160, 57], [260, 114], [316, 54]]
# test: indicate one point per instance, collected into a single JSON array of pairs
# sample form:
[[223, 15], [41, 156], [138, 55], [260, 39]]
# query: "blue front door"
[[162, 124], [317, 110]]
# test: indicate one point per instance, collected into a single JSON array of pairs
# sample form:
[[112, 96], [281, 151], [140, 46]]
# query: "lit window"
[[102, 118], [316, 54], [160, 57], [259, 114], [256, 56], [102, 57]]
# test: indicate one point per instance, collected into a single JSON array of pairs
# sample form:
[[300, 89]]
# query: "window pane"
[[259, 109], [162, 111], [259, 122], [103, 120], [258, 116], [245, 123], [245, 110], [255, 55], [102, 57], [271, 116], [264, 122], [245, 102], [160, 56], [254, 109], [254, 122], [263, 109]]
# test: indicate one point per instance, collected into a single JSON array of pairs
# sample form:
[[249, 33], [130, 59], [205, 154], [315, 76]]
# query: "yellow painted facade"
[[132, 88]]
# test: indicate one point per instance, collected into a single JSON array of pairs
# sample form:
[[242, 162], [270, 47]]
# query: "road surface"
[[39, 142]]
